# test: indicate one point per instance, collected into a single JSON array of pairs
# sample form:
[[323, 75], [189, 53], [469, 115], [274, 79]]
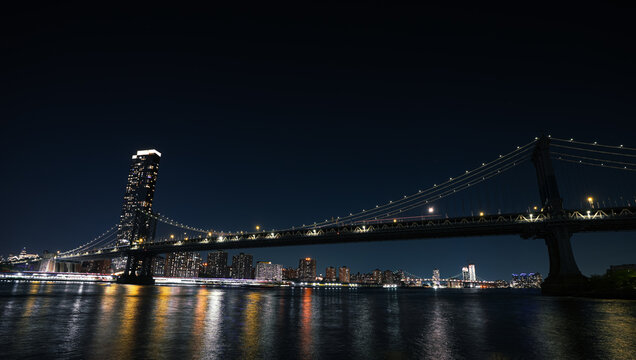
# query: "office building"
[[290, 274], [387, 277], [242, 266], [465, 275], [217, 265], [330, 274], [307, 269], [472, 275], [526, 281], [134, 226], [183, 264], [159, 266], [344, 275], [377, 276], [265, 270]]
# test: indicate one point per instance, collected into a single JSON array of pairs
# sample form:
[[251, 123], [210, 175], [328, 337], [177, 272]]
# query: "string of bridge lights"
[[521, 151], [456, 184], [166, 220], [603, 165], [593, 159], [596, 144], [451, 186], [92, 241], [101, 243], [462, 187]]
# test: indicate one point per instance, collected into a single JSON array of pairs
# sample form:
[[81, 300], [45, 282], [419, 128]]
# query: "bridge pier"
[[138, 270], [564, 278]]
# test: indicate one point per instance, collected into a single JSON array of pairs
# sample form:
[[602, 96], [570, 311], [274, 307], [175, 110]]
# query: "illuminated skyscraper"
[[465, 273], [140, 190], [344, 275], [377, 276], [330, 274], [307, 269], [217, 264], [472, 276], [183, 264], [265, 270], [242, 266], [387, 277]]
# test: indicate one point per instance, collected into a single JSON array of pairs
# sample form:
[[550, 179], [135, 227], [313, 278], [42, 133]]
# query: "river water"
[[101, 321]]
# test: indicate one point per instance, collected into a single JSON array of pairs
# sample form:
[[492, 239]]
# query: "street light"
[[430, 210], [258, 227], [590, 200], [481, 213]]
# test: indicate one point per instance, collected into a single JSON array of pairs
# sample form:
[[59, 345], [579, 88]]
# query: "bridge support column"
[[138, 270], [565, 277]]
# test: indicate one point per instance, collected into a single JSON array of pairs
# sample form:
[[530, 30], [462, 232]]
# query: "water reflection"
[[159, 326], [436, 340], [213, 326], [306, 340], [251, 326], [43, 320], [126, 336]]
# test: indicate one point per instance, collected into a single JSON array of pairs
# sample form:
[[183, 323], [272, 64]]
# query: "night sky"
[[279, 117]]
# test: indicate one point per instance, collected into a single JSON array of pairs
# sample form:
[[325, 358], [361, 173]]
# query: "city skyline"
[[139, 196], [317, 180], [319, 138]]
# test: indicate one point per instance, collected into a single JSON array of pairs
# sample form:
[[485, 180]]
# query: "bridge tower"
[[139, 261], [564, 277]]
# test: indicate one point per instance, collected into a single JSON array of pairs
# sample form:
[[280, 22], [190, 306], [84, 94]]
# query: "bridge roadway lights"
[[138, 270], [565, 277]]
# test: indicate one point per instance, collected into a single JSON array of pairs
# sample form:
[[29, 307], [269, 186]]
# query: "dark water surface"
[[96, 321]]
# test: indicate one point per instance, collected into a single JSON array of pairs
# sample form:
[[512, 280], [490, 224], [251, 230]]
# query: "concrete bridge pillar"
[[565, 277]]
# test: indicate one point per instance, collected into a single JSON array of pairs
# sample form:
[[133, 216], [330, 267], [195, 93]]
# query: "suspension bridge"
[[595, 203]]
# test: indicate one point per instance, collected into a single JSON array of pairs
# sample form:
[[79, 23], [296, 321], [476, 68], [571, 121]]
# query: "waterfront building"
[[159, 266], [96, 266], [344, 275], [472, 275], [501, 284], [330, 274], [387, 277], [526, 281], [22, 256], [182, 264], [465, 275], [377, 276], [217, 264], [290, 274], [265, 270], [307, 269], [242, 266], [140, 189]]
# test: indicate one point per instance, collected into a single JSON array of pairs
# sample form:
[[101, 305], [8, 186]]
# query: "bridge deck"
[[525, 225]]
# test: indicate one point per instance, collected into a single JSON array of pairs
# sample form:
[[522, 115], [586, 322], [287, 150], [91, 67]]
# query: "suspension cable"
[[594, 159], [593, 164], [594, 144], [590, 150]]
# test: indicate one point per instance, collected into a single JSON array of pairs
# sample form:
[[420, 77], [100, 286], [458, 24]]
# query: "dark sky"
[[285, 116]]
